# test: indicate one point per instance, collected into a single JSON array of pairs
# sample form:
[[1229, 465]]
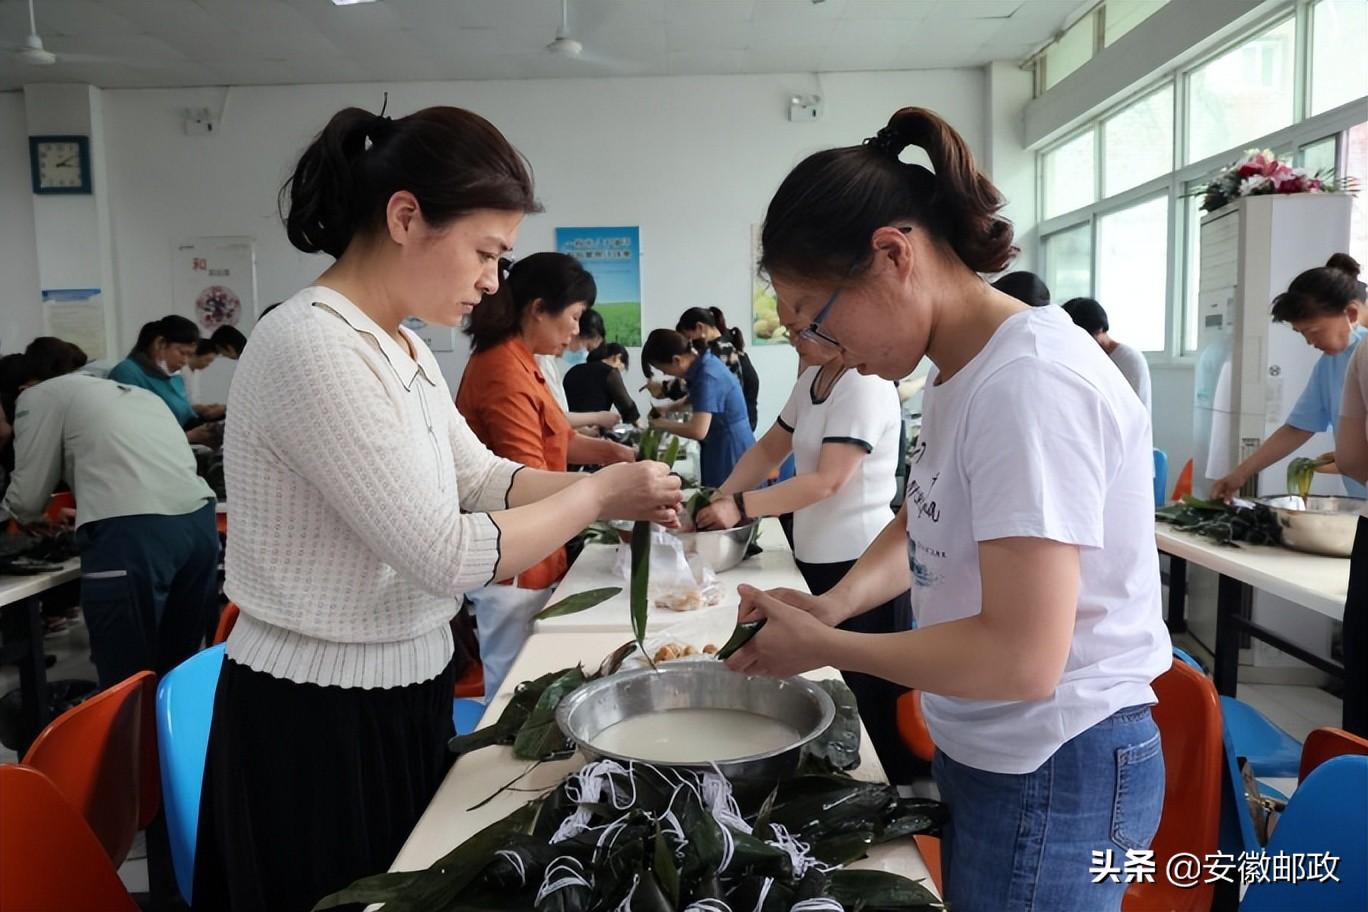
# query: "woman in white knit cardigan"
[[363, 506]]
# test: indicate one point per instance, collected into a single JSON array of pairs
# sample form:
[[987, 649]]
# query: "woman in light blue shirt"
[[1323, 304], [164, 347]]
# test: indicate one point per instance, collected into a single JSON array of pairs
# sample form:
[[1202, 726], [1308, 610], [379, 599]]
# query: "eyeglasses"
[[814, 333]]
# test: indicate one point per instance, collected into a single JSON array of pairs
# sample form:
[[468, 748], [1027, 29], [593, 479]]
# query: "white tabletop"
[[15, 588], [593, 569], [1310, 580], [449, 820]]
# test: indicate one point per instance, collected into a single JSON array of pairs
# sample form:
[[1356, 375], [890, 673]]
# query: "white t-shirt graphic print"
[[1039, 436]]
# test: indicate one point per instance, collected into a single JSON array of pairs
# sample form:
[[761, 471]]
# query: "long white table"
[[1317, 583], [21, 638], [451, 818], [593, 569]]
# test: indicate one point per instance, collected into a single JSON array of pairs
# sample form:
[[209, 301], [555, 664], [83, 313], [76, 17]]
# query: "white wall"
[[21, 315], [692, 160]]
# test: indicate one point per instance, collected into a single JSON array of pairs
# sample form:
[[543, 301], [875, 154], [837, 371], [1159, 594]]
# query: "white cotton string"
[[586, 787], [839, 801], [626, 904], [797, 851], [567, 871], [819, 904], [728, 849], [515, 860], [764, 892], [711, 905], [717, 798]]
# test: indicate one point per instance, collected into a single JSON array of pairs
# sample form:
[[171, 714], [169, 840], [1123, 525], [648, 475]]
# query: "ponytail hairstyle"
[[663, 345], [820, 221], [610, 350], [1325, 291], [452, 161], [174, 329], [711, 316], [557, 280]]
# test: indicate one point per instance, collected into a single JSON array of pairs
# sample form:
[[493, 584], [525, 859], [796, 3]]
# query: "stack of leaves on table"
[[1223, 523]]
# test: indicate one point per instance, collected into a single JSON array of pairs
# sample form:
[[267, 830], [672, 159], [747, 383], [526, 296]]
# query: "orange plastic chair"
[[51, 859], [63, 500], [912, 726], [1189, 718], [94, 753], [470, 685], [929, 847], [227, 618], [1183, 487], [1326, 743]]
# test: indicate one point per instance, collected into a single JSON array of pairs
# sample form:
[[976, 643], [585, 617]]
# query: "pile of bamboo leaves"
[[1223, 523], [611, 838]]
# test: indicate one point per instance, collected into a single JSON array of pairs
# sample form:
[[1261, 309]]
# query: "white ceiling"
[[120, 43]]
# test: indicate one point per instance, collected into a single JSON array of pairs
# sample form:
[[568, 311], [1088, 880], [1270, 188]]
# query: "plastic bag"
[[679, 582]]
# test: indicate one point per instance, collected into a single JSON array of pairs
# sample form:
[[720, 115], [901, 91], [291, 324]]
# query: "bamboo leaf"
[[650, 444], [838, 748], [880, 891], [672, 451], [580, 601], [436, 887], [741, 635], [540, 736], [663, 864], [641, 580]]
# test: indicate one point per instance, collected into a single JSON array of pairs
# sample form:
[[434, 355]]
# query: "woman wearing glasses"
[[719, 421], [844, 430], [1027, 535]]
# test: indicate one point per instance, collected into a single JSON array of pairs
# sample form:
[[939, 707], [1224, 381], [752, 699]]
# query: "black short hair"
[[591, 325], [558, 280], [205, 347], [229, 338], [172, 328], [1026, 287], [608, 350], [1088, 314]]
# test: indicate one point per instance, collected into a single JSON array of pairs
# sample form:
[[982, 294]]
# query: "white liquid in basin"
[[695, 736]]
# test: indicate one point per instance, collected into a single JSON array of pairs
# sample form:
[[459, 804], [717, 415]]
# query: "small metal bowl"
[[1317, 524], [797, 702], [721, 549]]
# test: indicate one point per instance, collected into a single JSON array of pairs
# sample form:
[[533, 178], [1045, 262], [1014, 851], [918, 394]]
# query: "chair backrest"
[[912, 726], [93, 753], [49, 856], [185, 708], [227, 618], [1324, 743], [1324, 816], [1189, 718], [1160, 476]]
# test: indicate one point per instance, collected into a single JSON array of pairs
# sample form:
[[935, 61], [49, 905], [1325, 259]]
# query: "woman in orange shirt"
[[505, 398]]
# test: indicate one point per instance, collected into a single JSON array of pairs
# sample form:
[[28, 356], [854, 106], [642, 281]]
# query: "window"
[[1137, 143], [1069, 175], [1120, 16], [1132, 272], [1068, 263], [1339, 66], [1242, 94], [1319, 156], [1356, 165], [1073, 49]]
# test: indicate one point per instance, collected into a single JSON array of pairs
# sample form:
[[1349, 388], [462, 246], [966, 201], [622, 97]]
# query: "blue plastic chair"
[[466, 714], [185, 707], [1273, 752], [1160, 477], [1324, 815]]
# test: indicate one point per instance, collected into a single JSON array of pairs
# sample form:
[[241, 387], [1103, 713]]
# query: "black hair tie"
[[888, 141]]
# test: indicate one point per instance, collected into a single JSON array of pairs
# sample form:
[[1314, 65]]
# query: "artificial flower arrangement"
[[1261, 172]]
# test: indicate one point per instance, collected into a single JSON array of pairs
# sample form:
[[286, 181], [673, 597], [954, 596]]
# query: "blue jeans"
[[1024, 843]]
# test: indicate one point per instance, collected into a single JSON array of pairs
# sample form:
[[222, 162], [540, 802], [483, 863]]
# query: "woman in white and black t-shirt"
[[843, 430], [1027, 534]]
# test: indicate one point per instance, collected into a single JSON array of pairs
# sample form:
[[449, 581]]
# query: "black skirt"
[[877, 698], [307, 788]]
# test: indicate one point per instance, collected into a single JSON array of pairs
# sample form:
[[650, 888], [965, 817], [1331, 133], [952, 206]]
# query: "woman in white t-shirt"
[[844, 431], [1027, 534]]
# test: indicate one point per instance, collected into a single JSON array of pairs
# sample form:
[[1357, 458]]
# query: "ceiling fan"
[[31, 51], [567, 46]]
